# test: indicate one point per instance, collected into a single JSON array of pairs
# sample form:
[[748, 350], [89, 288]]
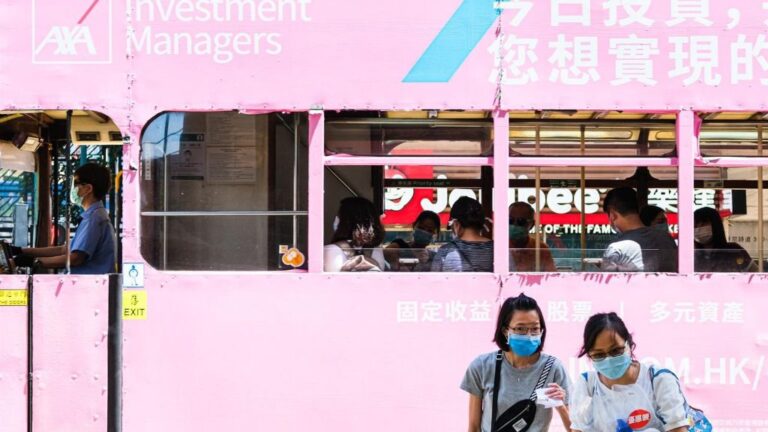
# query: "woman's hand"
[[554, 391]]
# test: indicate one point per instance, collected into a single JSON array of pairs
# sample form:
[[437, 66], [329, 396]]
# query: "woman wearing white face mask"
[[624, 395], [713, 252], [357, 236]]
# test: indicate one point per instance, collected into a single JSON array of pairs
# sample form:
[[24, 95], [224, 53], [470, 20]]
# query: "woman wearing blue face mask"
[[502, 385], [414, 255], [623, 395]]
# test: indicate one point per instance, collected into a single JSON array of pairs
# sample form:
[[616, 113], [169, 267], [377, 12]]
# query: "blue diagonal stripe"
[[456, 40]]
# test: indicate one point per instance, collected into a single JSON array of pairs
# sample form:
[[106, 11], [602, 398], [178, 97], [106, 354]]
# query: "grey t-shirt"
[[516, 384], [641, 250]]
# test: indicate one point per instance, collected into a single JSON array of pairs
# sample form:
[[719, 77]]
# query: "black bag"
[[519, 417]]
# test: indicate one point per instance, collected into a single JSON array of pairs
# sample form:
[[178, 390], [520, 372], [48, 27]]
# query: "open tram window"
[[729, 220], [224, 191], [734, 134], [46, 158], [558, 223], [409, 211], [591, 133]]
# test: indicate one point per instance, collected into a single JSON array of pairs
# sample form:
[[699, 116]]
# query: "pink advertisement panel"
[[70, 353], [379, 354], [13, 355], [299, 54]]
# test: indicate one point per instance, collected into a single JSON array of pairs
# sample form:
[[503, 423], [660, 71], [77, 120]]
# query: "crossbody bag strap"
[[464, 257], [496, 381], [543, 377]]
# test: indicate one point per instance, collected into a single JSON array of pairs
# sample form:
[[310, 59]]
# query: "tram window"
[[409, 133], [573, 231], [609, 134], [39, 152], [224, 191], [413, 205], [730, 223], [734, 134]]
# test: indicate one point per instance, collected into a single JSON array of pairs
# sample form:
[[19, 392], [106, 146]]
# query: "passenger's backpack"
[[697, 421], [358, 260]]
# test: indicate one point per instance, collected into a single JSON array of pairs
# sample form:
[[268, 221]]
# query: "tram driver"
[[92, 250]]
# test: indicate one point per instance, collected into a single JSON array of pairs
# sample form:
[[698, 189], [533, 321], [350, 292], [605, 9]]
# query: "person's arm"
[[548, 263], [76, 259], [50, 251], [670, 402], [475, 413], [392, 255]]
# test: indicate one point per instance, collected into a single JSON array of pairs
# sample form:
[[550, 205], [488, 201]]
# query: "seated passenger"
[[638, 247], [469, 251], [654, 217], [522, 245], [713, 252], [93, 248], [357, 238], [425, 229]]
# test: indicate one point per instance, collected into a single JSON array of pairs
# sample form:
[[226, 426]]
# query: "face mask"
[[703, 235], [74, 197], [613, 367], [516, 232], [422, 237], [523, 345], [335, 224], [662, 227]]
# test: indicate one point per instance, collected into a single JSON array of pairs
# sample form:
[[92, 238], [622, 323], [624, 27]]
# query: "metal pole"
[[537, 231], [583, 215], [760, 205], [68, 183]]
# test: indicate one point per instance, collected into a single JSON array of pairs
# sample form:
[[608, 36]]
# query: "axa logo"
[[71, 32], [457, 39]]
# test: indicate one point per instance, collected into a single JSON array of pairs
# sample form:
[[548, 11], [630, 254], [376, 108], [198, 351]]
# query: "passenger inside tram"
[[415, 255], [638, 248], [654, 217], [469, 250], [92, 250], [713, 252], [522, 245], [357, 237]]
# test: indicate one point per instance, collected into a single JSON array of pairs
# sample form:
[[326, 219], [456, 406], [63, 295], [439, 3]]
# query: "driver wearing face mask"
[[638, 248], [92, 250], [522, 246]]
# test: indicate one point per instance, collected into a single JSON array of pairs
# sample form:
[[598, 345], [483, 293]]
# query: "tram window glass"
[[224, 191], [730, 222], [588, 133], [413, 204], [734, 134], [409, 133], [564, 211]]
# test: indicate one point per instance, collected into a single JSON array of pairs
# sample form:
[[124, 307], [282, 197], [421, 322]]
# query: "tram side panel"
[[13, 355], [70, 340]]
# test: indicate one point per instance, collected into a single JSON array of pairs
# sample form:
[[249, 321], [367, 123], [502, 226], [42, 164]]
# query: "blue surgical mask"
[[74, 198], [613, 367], [516, 232], [422, 237], [524, 345]]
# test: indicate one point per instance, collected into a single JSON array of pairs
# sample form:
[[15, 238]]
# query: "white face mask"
[[335, 224], [703, 235]]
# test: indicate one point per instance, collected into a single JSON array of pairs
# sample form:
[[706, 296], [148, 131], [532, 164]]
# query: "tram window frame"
[[379, 161], [270, 209]]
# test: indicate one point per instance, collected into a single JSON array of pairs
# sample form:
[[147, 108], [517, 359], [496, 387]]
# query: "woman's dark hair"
[[428, 215], [649, 213], [708, 214], [97, 176], [512, 304], [359, 224], [597, 323], [469, 213]]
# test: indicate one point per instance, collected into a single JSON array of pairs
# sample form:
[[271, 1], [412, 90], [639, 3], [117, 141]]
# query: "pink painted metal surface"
[[687, 150], [13, 358], [316, 190], [500, 189], [70, 322], [387, 352]]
